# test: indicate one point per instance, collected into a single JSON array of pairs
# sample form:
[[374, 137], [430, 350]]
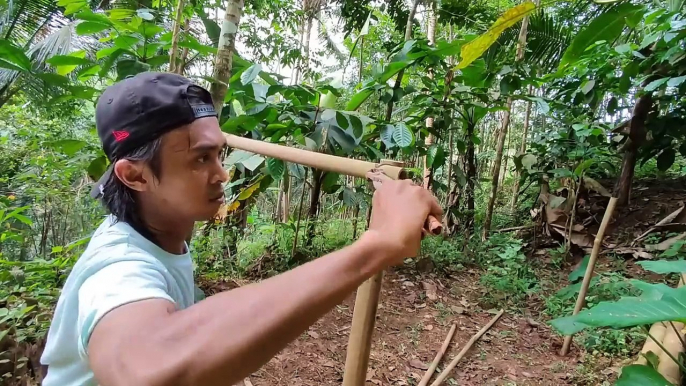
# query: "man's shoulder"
[[116, 241]]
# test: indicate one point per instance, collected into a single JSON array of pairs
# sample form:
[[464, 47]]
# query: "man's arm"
[[227, 336]]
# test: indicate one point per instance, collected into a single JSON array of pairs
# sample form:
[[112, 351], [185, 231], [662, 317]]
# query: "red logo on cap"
[[120, 135]]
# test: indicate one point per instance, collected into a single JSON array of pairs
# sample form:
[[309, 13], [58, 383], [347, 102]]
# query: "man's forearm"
[[232, 334]]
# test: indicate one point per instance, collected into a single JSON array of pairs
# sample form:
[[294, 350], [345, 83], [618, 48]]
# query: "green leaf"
[[328, 114], [529, 160], [68, 146], [623, 48], [612, 105], [68, 60], [571, 290], [341, 120], [607, 26], [587, 86], [435, 156], [664, 266], [666, 159], [128, 67], [359, 98], [126, 41], [275, 168], [472, 50], [23, 219], [13, 57], [627, 312], [53, 79], [330, 183], [582, 167], [641, 375], [357, 125], [386, 134], [391, 70], [654, 85], [580, 271], [253, 162], [342, 138], [97, 168], [674, 82], [249, 75], [402, 135], [90, 27]]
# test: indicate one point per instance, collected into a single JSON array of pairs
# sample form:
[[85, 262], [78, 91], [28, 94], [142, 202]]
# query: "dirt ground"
[[415, 314]]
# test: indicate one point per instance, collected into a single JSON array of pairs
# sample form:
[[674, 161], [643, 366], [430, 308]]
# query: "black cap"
[[141, 108]]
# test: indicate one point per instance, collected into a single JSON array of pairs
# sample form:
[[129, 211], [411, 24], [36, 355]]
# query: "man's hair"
[[119, 199]]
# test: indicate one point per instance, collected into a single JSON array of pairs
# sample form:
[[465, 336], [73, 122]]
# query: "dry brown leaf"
[[431, 290], [678, 217], [638, 253], [313, 334], [596, 186], [663, 246], [428, 327], [417, 364]]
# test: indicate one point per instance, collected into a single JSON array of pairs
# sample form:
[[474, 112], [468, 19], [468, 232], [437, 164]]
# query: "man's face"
[[191, 172]]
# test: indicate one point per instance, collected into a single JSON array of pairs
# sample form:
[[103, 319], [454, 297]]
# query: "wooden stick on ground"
[[439, 355], [597, 243], [477, 336]]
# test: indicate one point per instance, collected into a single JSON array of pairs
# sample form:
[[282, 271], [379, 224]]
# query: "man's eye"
[[203, 158]]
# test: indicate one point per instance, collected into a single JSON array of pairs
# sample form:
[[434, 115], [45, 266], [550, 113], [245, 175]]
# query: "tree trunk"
[[399, 78], [315, 192], [225, 51], [431, 34], [471, 176], [521, 44], [450, 172], [637, 136], [176, 28], [522, 150], [286, 196]]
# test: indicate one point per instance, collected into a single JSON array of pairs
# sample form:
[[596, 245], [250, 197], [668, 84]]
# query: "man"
[[126, 314]]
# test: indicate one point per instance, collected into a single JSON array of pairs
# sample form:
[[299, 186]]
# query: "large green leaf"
[[90, 27], [402, 135], [641, 375], [275, 168], [627, 312], [68, 146], [607, 26], [128, 67], [580, 271], [251, 73], [342, 138], [472, 50], [435, 156], [359, 98], [13, 57], [664, 266], [386, 134], [97, 168]]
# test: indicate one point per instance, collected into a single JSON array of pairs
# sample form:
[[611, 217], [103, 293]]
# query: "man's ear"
[[131, 174]]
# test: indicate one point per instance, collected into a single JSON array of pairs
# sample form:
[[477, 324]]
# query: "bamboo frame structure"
[[367, 298], [597, 244]]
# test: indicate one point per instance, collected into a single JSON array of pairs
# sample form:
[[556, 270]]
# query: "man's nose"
[[221, 174]]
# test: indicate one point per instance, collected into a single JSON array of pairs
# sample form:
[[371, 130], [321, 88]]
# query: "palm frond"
[[329, 44]]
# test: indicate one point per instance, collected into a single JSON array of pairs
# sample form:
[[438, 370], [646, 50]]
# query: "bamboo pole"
[[597, 243], [466, 348], [437, 359]]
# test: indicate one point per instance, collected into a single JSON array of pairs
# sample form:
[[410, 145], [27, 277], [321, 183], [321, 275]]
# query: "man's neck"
[[168, 233]]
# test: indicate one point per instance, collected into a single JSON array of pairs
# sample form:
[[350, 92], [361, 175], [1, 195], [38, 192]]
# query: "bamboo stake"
[[466, 348], [439, 355], [597, 243]]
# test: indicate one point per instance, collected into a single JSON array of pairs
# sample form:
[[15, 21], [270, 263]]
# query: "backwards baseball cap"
[[141, 108]]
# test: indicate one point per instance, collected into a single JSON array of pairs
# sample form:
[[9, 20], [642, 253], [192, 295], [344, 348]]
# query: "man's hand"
[[399, 212]]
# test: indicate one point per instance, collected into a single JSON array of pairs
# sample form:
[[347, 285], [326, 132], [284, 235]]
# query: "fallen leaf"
[[527, 374], [457, 309], [431, 290], [371, 373], [313, 334], [417, 364], [596, 186], [428, 327], [246, 382], [678, 216], [639, 253], [533, 323], [663, 246]]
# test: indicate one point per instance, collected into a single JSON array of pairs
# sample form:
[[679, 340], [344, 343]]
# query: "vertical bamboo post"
[[597, 243]]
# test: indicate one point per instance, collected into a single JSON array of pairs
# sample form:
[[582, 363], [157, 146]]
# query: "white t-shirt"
[[119, 266]]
